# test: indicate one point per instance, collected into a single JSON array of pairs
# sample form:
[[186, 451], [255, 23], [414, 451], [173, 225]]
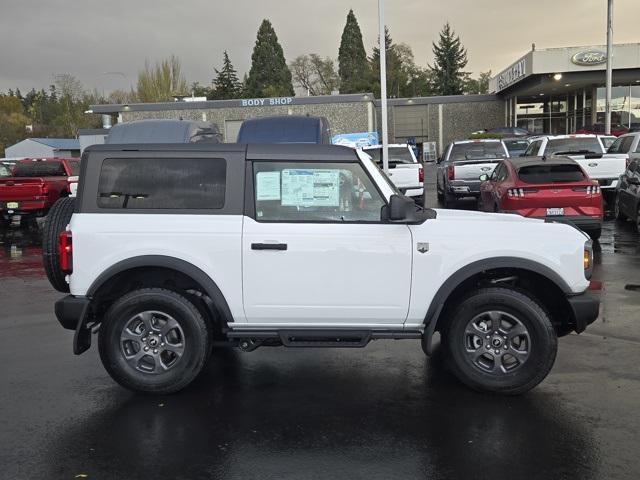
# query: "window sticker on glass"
[[306, 188], [268, 186]]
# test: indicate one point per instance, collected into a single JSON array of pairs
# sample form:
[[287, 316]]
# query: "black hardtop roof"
[[519, 162], [275, 151]]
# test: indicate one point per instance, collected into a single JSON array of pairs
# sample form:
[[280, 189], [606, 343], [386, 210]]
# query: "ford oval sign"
[[589, 57]]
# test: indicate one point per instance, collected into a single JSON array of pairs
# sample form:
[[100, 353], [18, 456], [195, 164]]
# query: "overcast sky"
[[39, 38]]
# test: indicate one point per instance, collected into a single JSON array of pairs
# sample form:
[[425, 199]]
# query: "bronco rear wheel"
[[154, 340], [500, 340], [57, 220]]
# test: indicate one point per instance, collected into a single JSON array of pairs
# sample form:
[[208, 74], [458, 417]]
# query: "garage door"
[[231, 130]]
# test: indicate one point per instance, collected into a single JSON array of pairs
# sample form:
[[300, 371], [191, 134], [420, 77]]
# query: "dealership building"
[[556, 90], [560, 90]]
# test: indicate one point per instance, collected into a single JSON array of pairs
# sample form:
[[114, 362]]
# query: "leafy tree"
[[353, 67], [478, 85], [269, 75], [450, 60], [162, 81], [315, 74], [13, 121], [226, 84], [404, 77]]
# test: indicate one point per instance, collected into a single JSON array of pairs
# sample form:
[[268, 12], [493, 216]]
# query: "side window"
[[638, 148], [495, 175], [626, 144], [315, 192], [532, 149], [615, 147], [503, 173], [162, 183]]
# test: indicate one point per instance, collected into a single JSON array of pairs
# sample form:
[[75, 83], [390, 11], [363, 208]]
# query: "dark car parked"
[[163, 131], [285, 129], [627, 205]]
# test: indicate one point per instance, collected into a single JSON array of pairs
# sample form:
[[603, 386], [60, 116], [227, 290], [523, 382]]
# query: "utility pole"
[[383, 87], [607, 108]]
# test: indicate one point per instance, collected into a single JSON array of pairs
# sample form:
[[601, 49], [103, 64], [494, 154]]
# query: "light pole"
[[383, 86], [607, 105]]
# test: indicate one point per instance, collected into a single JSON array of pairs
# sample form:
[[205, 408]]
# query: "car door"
[[315, 251]]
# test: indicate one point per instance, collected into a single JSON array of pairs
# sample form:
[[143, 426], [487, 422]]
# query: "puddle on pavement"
[[21, 252]]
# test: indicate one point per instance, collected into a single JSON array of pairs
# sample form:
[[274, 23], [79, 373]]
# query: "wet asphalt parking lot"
[[381, 412]]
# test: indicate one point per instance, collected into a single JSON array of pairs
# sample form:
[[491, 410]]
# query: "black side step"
[[340, 338], [325, 338]]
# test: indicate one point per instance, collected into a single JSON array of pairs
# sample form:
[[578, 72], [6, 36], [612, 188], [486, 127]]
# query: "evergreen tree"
[[450, 59], [269, 75], [353, 67], [226, 84]]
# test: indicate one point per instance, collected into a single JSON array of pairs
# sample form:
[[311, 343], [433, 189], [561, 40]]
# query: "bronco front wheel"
[[500, 340]]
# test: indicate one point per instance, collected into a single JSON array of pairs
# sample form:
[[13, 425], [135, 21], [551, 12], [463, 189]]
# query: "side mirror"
[[633, 180], [484, 177], [401, 208]]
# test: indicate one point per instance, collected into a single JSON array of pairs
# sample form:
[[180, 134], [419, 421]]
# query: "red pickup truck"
[[34, 186]]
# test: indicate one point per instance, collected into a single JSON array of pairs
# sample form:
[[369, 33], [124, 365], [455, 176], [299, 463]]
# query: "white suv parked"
[[169, 248]]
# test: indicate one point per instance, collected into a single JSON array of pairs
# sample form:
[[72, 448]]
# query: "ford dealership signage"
[[587, 58], [512, 74]]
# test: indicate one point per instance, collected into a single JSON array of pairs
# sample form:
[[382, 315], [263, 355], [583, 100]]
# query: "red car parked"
[[34, 186], [555, 188]]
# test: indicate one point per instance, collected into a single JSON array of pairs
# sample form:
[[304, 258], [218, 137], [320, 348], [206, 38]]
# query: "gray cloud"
[[89, 37]]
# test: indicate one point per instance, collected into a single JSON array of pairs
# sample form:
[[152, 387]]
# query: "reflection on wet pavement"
[[21, 251]]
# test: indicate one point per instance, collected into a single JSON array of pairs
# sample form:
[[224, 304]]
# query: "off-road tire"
[[542, 348], [57, 220], [197, 343]]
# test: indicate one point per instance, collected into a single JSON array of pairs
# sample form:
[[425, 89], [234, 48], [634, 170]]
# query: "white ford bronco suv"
[[170, 250]]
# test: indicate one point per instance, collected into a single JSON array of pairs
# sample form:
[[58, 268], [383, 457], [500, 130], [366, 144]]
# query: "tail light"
[[515, 192], [421, 175], [451, 172], [45, 189], [627, 161], [590, 189], [65, 252]]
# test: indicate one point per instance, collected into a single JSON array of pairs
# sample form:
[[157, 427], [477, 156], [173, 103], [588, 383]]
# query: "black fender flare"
[[468, 271], [205, 281]]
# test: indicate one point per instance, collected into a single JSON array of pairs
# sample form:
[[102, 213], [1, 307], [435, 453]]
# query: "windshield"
[[551, 173], [516, 145], [476, 151], [396, 155], [575, 144], [40, 169]]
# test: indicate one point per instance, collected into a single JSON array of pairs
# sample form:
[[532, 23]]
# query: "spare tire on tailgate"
[[57, 220]]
